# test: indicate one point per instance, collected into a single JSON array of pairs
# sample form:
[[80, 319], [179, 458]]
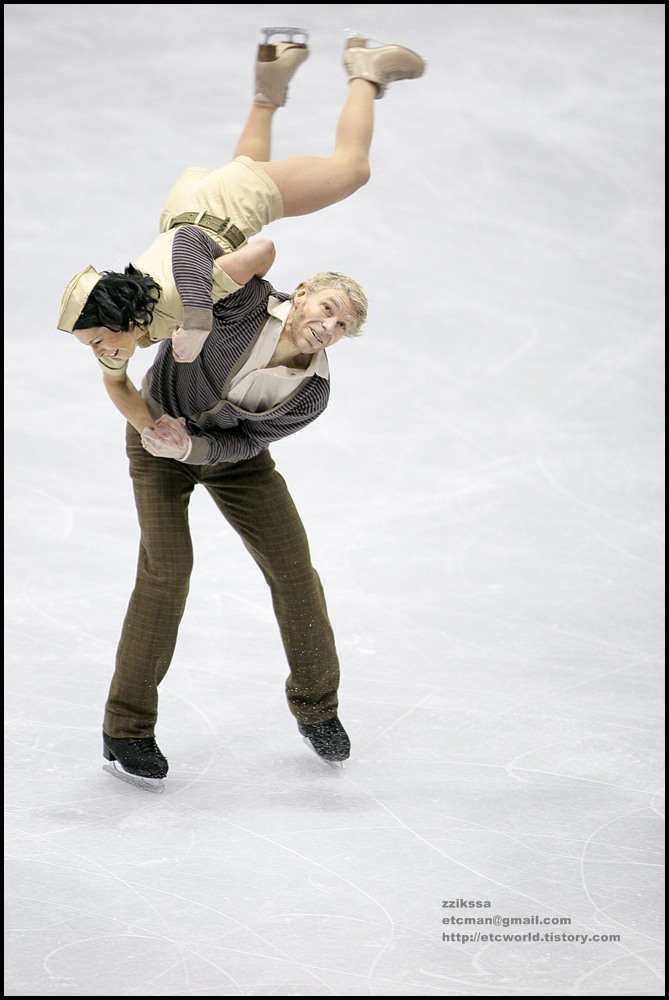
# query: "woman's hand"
[[187, 344], [168, 438]]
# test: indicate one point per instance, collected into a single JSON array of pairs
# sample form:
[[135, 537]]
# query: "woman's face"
[[106, 343]]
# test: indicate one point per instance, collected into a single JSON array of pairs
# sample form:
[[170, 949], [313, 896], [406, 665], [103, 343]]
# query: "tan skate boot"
[[382, 64], [276, 64]]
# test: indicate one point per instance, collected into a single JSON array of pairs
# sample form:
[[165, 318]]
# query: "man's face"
[[106, 343], [319, 319]]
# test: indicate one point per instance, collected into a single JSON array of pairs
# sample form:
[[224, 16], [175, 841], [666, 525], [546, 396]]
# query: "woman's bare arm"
[[128, 401]]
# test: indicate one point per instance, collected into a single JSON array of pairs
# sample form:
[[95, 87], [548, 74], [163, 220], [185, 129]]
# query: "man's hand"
[[167, 438], [187, 344]]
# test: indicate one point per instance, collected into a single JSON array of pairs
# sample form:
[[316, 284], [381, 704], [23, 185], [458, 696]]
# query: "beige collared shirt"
[[256, 387]]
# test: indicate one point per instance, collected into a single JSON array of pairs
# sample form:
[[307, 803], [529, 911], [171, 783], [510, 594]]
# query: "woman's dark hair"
[[120, 301]]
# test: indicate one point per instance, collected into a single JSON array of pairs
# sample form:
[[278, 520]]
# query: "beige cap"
[[75, 297]]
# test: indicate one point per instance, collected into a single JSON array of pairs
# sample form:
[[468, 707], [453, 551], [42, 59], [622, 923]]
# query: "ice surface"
[[484, 500]]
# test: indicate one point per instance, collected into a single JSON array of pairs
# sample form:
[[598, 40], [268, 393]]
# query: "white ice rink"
[[484, 499]]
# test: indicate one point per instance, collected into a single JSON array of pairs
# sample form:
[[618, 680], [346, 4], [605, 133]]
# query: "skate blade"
[[147, 784], [293, 33], [336, 765]]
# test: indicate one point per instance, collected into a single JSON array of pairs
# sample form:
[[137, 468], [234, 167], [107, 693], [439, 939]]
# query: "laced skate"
[[139, 762], [276, 64], [381, 64], [328, 740]]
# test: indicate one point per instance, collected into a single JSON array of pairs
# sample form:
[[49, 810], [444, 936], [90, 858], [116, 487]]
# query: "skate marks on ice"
[[157, 785], [262, 869], [497, 553]]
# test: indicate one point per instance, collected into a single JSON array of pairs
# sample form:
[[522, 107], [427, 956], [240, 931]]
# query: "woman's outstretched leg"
[[256, 138], [310, 183], [276, 64]]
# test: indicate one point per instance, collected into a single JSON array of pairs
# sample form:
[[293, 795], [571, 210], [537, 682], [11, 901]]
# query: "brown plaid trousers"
[[254, 499]]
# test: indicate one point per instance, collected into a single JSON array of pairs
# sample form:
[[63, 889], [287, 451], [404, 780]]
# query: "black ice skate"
[[327, 739], [137, 761]]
